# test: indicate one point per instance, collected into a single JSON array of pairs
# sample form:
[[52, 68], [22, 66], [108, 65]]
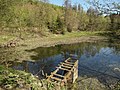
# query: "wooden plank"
[[63, 69], [67, 64], [75, 74], [66, 67], [68, 74], [58, 70], [71, 59], [52, 74], [57, 79], [70, 65], [68, 60]]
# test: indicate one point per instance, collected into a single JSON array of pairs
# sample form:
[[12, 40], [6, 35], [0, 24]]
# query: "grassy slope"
[[53, 39], [6, 38], [79, 34], [10, 79], [16, 80]]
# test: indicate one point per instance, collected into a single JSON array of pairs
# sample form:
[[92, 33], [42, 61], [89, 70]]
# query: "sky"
[[82, 2], [61, 2]]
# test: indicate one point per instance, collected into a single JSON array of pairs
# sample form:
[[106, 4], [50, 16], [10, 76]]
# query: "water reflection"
[[99, 60], [93, 55]]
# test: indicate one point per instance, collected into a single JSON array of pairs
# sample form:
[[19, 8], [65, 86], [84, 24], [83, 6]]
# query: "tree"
[[80, 8], [45, 1], [92, 18], [111, 8], [106, 6], [67, 5], [90, 11], [82, 17], [58, 25], [75, 7], [115, 21], [6, 13]]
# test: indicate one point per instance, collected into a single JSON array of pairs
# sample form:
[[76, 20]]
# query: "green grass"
[[78, 34], [5, 38], [16, 80], [10, 79]]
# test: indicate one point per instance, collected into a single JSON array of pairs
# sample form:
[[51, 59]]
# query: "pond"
[[97, 59]]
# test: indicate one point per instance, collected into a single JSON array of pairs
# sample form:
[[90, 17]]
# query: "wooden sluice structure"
[[66, 72]]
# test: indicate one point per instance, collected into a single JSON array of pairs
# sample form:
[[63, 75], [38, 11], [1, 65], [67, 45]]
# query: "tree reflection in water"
[[100, 60]]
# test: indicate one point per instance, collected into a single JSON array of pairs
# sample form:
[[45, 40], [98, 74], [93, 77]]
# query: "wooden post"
[[75, 72], [71, 75]]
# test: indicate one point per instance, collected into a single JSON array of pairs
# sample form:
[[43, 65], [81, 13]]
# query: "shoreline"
[[19, 53], [33, 43], [49, 42], [53, 39]]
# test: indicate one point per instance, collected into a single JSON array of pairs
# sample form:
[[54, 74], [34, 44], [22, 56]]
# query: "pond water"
[[99, 59]]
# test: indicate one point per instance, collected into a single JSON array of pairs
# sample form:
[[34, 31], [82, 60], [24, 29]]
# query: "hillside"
[[31, 18]]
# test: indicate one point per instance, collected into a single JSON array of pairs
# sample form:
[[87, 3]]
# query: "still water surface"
[[95, 59], [98, 61]]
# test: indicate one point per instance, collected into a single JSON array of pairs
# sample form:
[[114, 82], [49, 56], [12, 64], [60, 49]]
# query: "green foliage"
[[11, 79], [115, 21], [15, 80], [83, 21], [58, 26], [6, 14], [41, 17]]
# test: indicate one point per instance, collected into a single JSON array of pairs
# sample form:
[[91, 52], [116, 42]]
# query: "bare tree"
[[106, 6], [67, 5]]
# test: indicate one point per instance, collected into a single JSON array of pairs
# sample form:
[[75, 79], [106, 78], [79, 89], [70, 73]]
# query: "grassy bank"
[[49, 36], [12, 79], [19, 80], [19, 53], [6, 38], [16, 80], [57, 39]]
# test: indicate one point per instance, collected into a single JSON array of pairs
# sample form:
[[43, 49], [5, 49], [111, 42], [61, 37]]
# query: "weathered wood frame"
[[72, 71]]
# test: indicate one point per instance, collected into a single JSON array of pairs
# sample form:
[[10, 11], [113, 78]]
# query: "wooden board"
[[71, 68]]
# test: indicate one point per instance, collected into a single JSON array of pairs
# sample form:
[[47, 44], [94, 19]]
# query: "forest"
[[25, 16]]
